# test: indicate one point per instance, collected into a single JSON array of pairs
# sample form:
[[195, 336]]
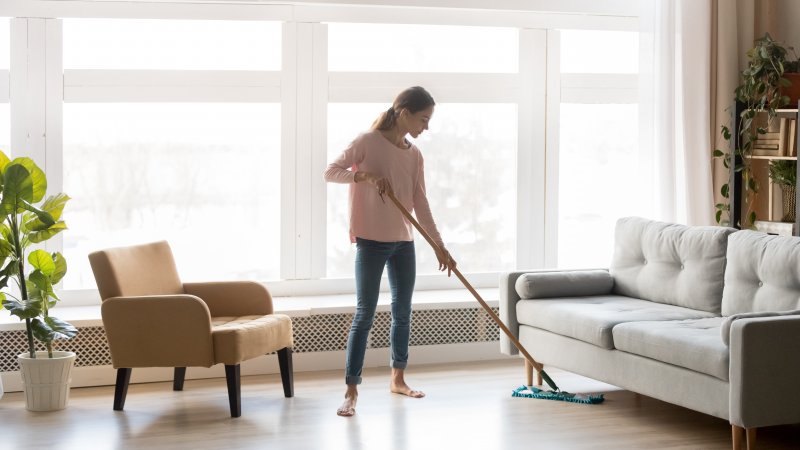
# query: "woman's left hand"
[[445, 260]]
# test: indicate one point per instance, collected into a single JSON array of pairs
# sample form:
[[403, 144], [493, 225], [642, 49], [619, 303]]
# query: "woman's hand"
[[445, 260], [380, 183]]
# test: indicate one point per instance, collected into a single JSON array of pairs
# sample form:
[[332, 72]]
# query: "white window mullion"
[[303, 151], [288, 148], [531, 149], [28, 89], [552, 148], [54, 109], [36, 94], [319, 149]]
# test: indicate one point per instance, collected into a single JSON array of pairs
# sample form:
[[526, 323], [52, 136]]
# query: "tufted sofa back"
[[763, 273], [670, 263]]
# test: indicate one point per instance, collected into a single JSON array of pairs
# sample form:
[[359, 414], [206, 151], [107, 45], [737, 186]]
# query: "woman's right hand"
[[380, 183]]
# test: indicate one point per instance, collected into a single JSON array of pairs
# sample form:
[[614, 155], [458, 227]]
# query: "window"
[[205, 177], [599, 154], [5, 64], [127, 44], [201, 170], [423, 48]]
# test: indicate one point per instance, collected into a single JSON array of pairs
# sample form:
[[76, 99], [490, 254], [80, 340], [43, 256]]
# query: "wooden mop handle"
[[538, 366]]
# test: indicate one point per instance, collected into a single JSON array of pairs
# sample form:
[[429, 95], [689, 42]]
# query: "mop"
[[522, 391]]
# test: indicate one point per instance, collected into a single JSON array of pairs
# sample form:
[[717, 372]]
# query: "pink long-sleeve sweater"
[[371, 218]]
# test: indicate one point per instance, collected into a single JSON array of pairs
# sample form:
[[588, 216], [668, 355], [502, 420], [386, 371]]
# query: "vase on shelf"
[[789, 204]]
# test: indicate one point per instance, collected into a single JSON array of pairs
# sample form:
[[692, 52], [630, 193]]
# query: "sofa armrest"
[[509, 298], [764, 364], [158, 331], [232, 298], [725, 328], [508, 309]]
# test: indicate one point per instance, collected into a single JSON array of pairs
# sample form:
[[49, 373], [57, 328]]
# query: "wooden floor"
[[468, 406]]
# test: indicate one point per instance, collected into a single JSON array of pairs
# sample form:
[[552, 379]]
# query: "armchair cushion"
[[238, 339]]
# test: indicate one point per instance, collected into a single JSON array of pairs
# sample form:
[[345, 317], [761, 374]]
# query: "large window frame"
[[303, 86]]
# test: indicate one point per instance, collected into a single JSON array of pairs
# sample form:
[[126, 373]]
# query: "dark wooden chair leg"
[[121, 388], [287, 373], [177, 381], [234, 389]]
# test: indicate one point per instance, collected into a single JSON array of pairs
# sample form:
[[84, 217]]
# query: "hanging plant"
[[759, 92]]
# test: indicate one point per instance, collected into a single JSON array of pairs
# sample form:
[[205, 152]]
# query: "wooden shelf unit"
[[760, 171]]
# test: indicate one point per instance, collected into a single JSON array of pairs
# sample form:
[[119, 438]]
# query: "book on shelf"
[[779, 228], [791, 145]]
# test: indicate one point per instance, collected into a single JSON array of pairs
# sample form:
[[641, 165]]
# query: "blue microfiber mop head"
[[534, 392]]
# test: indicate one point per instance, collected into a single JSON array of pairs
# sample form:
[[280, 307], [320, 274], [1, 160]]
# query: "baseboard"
[[268, 364]]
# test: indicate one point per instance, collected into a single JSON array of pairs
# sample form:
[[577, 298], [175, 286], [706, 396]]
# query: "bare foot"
[[348, 408], [399, 386], [403, 389]]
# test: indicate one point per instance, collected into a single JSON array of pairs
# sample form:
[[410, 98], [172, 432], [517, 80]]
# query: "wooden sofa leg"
[[539, 381], [287, 372], [177, 381], [751, 438], [121, 388], [738, 432], [232, 375], [736, 436]]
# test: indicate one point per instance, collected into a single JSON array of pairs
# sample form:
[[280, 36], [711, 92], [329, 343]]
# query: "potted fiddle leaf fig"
[[28, 218]]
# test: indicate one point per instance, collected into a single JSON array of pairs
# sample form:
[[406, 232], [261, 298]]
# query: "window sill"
[[300, 306]]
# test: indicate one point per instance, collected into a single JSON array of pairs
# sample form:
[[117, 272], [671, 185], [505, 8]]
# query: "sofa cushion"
[[669, 263], [591, 319], [567, 283], [763, 273], [694, 344]]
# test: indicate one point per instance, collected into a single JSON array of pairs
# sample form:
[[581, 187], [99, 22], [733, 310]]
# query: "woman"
[[379, 161]]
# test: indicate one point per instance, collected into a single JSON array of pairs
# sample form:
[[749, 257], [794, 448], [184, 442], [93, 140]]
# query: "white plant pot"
[[46, 380]]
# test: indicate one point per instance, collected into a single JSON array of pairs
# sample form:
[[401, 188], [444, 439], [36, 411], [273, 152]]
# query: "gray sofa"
[[703, 317]]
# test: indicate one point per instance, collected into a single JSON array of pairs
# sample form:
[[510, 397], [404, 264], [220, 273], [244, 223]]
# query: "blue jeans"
[[371, 257]]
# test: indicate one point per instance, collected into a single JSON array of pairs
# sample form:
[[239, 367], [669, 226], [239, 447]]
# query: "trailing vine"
[[759, 92]]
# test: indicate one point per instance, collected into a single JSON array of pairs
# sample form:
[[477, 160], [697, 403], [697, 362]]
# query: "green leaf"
[[37, 177], [43, 284], [24, 309], [61, 268], [54, 205], [752, 217], [44, 216], [4, 161], [18, 186], [52, 328], [725, 190], [41, 260], [719, 216], [41, 236], [718, 153]]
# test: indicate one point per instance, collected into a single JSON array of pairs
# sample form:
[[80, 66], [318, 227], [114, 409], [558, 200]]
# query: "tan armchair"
[[152, 319]]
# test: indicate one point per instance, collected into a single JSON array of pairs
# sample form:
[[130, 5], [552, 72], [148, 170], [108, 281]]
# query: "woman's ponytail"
[[413, 99]]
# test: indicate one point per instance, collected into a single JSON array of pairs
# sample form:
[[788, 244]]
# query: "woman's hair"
[[413, 99]]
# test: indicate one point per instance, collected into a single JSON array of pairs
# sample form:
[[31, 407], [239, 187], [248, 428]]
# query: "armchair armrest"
[[764, 365], [158, 331], [232, 298]]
